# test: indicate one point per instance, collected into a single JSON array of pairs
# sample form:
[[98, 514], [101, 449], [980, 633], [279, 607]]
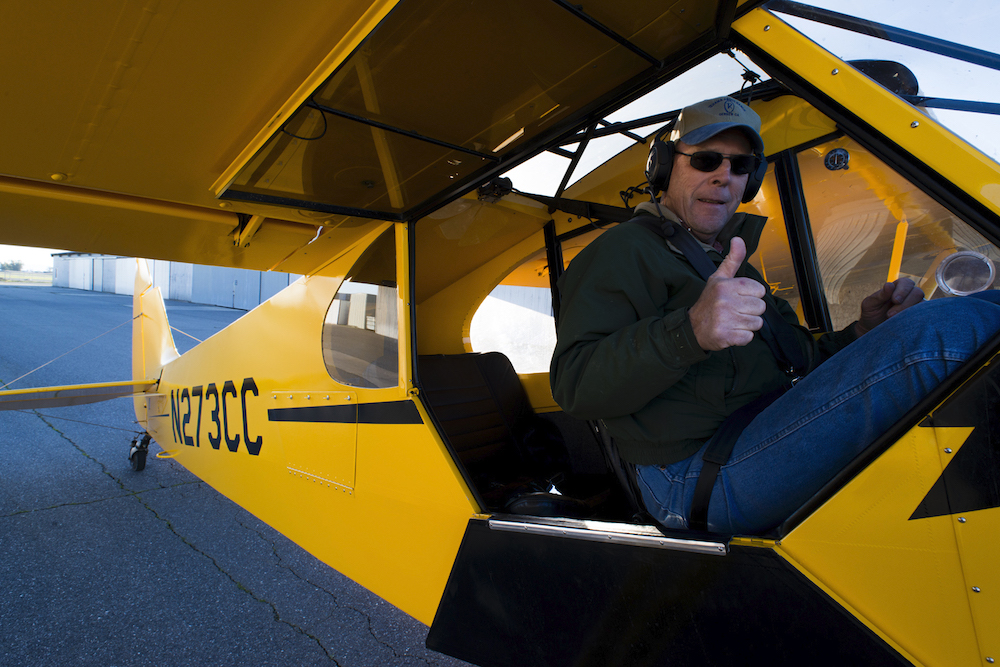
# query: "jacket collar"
[[745, 225]]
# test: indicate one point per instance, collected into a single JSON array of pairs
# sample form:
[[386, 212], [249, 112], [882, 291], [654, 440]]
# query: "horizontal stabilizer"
[[77, 394]]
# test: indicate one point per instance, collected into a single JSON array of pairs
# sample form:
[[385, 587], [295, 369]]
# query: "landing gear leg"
[[137, 452]]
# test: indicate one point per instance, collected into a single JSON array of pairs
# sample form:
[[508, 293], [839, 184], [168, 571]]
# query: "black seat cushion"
[[481, 406]]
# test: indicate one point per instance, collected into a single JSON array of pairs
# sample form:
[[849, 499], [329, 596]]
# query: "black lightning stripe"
[[971, 480]]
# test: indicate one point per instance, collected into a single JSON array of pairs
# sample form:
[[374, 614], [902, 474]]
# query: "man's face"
[[706, 201]]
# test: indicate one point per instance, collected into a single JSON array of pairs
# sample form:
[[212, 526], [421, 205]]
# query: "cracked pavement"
[[101, 565]]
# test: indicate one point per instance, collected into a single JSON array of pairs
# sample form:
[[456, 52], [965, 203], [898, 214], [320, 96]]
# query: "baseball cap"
[[702, 121]]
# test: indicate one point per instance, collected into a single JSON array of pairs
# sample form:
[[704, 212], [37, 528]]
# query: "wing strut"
[[575, 160], [79, 394]]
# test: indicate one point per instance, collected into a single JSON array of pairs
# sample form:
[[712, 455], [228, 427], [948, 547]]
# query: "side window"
[[361, 332], [871, 225], [516, 318]]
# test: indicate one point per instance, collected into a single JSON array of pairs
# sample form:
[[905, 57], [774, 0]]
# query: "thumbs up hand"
[[729, 309]]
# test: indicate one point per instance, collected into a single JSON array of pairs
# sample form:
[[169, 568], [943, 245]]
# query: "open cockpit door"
[[563, 592]]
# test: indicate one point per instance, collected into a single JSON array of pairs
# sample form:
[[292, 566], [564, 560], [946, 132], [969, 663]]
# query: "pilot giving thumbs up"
[[729, 309]]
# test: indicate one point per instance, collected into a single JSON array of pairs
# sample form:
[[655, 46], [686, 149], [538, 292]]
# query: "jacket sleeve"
[[615, 351]]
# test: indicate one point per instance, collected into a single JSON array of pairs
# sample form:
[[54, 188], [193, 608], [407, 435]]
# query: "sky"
[[969, 22]]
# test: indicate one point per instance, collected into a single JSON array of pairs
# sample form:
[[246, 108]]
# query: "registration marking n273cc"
[[191, 407]]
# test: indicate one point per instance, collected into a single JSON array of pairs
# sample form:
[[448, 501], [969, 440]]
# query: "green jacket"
[[626, 352]]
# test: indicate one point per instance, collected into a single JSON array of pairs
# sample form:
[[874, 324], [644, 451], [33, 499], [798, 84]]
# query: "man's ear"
[[660, 160], [659, 164], [755, 179]]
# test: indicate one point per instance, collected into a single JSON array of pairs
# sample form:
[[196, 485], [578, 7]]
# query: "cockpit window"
[[773, 258], [361, 331], [871, 225]]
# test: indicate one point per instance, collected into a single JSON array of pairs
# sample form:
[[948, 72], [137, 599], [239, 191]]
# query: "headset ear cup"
[[755, 180], [659, 164]]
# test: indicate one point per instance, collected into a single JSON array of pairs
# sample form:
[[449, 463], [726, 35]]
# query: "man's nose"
[[723, 173]]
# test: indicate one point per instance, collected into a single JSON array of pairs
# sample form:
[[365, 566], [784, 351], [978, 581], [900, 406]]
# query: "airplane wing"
[[267, 138]]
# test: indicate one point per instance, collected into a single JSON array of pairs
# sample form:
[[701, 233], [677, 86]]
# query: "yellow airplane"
[[361, 143]]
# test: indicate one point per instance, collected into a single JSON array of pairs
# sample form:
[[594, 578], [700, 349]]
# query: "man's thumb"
[[731, 264]]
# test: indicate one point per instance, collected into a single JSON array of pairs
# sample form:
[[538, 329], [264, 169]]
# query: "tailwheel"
[[137, 452]]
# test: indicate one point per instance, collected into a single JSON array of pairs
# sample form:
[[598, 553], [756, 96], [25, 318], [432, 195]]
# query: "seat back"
[[480, 405]]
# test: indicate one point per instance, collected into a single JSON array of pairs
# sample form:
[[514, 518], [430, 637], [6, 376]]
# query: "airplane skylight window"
[[373, 140], [719, 75]]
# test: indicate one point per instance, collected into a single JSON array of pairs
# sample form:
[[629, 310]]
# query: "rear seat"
[[511, 455]]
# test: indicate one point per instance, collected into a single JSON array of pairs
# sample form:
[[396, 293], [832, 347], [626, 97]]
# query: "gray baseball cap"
[[702, 121]]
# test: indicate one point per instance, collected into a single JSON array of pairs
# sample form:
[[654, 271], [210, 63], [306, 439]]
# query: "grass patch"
[[25, 278]]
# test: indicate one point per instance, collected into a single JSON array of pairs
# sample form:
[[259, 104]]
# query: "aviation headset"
[[661, 162]]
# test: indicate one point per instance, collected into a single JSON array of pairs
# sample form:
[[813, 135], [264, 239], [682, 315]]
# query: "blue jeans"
[[803, 439]]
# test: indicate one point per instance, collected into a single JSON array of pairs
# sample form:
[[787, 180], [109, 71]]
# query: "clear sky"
[[33, 259], [969, 22]]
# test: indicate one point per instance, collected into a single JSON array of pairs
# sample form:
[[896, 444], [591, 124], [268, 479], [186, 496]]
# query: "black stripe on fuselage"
[[394, 412]]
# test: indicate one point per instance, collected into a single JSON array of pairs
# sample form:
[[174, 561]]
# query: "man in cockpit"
[[680, 358]]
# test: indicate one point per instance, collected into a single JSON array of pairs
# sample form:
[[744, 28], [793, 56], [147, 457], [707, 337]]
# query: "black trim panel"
[[393, 412], [326, 414], [526, 599]]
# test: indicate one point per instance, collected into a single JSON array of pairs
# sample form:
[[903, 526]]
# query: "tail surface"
[[152, 343]]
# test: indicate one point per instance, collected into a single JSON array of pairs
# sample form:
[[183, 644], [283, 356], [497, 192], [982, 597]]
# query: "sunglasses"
[[709, 161]]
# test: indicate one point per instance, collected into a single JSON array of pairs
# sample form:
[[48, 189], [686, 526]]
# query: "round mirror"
[[964, 273]]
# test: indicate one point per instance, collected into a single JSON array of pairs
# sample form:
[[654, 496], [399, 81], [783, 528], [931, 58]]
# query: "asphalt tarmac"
[[100, 565]]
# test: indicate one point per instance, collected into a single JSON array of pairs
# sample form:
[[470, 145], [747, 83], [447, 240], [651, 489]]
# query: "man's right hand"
[[729, 309]]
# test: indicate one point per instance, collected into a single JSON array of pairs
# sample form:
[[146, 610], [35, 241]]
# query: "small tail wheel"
[[137, 452], [138, 460]]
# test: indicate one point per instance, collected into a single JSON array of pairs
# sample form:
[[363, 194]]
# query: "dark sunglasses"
[[709, 161]]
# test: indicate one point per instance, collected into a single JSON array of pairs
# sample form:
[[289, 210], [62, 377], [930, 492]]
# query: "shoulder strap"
[[776, 332]]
